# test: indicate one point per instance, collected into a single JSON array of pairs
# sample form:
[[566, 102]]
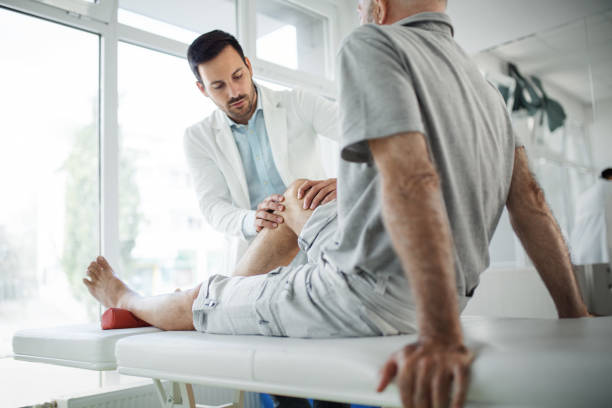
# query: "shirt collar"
[[233, 124], [426, 18]]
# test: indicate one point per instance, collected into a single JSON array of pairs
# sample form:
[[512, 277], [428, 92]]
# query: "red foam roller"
[[115, 318]]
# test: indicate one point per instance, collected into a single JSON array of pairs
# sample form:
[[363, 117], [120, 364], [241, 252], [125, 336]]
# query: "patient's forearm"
[[542, 239], [416, 220], [543, 242]]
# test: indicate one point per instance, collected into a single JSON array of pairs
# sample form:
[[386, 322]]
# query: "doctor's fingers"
[[270, 205], [324, 196], [267, 220], [315, 189], [305, 186]]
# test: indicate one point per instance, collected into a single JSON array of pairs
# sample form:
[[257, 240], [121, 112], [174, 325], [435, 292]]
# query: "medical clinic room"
[[305, 203]]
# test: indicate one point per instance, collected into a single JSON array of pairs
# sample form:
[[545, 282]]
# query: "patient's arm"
[[541, 237], [415, 218]]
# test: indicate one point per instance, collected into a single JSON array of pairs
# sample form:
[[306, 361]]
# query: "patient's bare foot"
[[105, 286]]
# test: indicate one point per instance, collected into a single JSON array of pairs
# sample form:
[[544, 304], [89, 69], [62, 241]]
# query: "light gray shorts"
[[314, 299]]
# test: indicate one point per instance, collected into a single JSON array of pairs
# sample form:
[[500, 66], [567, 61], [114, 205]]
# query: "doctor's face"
[[228, 81]]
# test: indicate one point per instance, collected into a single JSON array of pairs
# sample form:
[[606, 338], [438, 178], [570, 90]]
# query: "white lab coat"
[[293, 120], [593, 228]]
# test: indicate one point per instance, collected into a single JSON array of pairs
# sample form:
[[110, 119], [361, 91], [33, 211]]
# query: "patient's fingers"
[[461, 378], [387, 373], [440, 389], [406, 379], [422, 391]]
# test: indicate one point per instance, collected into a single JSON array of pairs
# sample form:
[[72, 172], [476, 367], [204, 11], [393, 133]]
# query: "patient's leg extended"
[[271, 249], [168, 312], [276, 247]]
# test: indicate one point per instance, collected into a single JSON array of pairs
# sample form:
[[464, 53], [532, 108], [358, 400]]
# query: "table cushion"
[[82, 346], [519, 361]]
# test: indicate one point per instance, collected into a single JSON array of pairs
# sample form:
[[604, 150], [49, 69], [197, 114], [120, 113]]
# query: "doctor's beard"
[[244, 112]]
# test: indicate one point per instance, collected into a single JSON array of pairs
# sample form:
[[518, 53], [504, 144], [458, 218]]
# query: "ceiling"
[[482, 24]]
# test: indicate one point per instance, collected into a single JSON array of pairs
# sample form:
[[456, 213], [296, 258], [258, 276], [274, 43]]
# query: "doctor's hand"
[[316, 192], [264, 217], [429, 374]]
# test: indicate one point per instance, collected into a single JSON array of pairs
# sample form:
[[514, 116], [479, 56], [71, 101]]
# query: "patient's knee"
[[293, 188], [292, 191]]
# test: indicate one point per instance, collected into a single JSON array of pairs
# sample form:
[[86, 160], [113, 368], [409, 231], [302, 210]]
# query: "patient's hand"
[[429, 374], [316, 192], [264, 217]]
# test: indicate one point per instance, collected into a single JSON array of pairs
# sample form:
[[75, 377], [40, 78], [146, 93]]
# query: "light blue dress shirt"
[[262, 176]]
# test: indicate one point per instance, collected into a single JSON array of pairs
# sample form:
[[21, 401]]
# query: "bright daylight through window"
[[49, 210], [164, 242], [301, 35]]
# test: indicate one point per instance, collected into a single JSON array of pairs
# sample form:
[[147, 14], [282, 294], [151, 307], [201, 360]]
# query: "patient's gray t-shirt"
[[413, 77]]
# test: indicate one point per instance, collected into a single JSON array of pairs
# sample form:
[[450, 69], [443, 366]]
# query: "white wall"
[[511, 293]]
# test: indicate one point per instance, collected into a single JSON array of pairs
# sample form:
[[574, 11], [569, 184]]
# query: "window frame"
[[101, 18]]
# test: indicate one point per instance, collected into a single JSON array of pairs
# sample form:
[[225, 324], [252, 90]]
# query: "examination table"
[[519, 362]]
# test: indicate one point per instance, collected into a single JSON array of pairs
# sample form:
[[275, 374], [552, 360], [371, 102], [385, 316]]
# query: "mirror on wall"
[[558, 88]]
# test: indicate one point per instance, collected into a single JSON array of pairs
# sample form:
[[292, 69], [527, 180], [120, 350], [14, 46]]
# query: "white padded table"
[[82, 346], [527, 362]]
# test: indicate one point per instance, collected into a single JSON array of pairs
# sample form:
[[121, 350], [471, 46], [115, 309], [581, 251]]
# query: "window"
[[181, 20], [300, 34], [51, 74], [165, 243], [49, 210]]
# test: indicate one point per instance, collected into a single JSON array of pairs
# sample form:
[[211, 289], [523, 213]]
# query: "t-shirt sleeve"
[[377, 93]]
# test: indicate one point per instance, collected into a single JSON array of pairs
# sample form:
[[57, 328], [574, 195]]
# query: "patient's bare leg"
[[276, 247], [168, 312], [272, 248]]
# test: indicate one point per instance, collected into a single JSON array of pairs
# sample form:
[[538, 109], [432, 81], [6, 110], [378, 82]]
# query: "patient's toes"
[[103, 263], [92, 273]]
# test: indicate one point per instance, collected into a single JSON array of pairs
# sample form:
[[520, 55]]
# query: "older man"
[[429, 160]]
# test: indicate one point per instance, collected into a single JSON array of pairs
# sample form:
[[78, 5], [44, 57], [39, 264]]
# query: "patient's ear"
[[380, 11]]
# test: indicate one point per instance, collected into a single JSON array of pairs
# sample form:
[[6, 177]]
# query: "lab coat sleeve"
[[211, 190], [320, 113]]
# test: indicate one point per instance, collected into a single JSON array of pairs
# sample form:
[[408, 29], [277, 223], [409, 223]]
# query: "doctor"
[[589, 241], [244, 155]]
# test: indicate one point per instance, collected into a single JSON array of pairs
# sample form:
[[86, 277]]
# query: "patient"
[[429, 160]]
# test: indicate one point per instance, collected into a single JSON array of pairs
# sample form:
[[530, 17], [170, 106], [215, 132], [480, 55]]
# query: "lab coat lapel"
[[275, 117], [227, 147]]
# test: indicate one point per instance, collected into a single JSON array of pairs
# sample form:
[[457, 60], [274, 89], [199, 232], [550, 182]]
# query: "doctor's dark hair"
[[606, 173], [208, 46]]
